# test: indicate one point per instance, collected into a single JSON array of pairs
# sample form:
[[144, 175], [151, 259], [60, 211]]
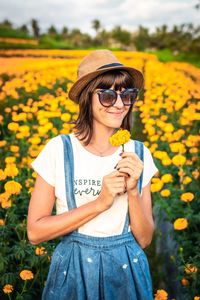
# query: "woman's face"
[[111, 117]]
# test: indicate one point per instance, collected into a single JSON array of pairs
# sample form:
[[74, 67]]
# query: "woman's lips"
[[116, 114]]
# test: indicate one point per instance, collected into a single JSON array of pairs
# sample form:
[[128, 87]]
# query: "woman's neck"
[[101, 136]]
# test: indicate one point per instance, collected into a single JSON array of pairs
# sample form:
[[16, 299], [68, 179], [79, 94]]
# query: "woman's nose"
[[119, 102]]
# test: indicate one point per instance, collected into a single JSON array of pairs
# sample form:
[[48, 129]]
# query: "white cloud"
[[80, 13]]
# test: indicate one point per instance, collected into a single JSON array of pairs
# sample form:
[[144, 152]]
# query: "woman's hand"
[[113, 184], [133, 167]]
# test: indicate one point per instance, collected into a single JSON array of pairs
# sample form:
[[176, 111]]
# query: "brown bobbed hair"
[[84, 123]]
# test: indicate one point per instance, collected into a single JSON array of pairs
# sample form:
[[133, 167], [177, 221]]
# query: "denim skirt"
[[95, 268]]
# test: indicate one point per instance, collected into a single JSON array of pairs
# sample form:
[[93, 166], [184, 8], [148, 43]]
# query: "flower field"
[[34, 107]]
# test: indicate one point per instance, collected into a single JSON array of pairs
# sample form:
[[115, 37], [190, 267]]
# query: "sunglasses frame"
[[135, 90]]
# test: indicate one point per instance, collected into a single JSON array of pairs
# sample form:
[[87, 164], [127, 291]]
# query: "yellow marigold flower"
[[10, 159], [166, 161], [168, 127], [24, 129], [157, 186], [178, 160], [187, 180], [160, 154], [26, 275], [66, 117], [177, 147], [13, 126], [189, 268], [184, 282], [34, 174], [2, 222], [121, 137], [43, 121], [2, 175], [35, 140], [40, 251], [49, 125], [167, 178], [11, 170], [165, 193], [20, 117], [13, 187], [187, 197], [8, 288], [180, 224], [14, 148], [161, 295], [2, 143]]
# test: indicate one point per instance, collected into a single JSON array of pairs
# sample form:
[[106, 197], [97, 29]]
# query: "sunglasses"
[[108, 97]]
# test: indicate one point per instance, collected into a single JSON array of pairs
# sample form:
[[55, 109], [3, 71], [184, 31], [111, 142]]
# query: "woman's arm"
[[141, 217], [42, 226]]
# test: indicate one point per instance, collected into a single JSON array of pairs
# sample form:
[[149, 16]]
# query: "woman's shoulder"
[[53, 143]]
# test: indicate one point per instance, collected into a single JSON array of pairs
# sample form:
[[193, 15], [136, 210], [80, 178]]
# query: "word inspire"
[[87, 186]]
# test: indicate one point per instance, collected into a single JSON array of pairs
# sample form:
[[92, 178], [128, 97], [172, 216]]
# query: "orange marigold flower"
[[180, 224], [2, 222], [187, 197], [14, 148], [161, 295], [40, 251], [190, 269], [197, 298], [26, 275], [184, 282], [195, 173], [8, 288], [3, 143], [2, 175], [6, 204]]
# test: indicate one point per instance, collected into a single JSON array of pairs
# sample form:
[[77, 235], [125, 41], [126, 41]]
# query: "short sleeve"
[[45, 162], [150, 168]]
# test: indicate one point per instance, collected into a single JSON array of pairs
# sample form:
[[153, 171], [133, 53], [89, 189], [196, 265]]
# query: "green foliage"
[[13, 33]]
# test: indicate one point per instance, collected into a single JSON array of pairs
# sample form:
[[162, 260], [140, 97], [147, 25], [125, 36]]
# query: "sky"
[[128, 14]]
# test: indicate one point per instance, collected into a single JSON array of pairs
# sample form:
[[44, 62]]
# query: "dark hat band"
[[110, 65]]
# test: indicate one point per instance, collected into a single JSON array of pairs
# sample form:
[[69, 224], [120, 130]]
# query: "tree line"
[[184, 38]]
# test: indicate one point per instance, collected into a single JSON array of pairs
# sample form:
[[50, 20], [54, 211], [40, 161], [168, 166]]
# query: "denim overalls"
[[97, 268]]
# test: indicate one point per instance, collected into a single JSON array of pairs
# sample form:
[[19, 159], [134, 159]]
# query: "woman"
[[103, 201]]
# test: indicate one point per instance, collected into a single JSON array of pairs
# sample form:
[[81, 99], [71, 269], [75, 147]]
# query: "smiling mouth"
[[117, 113]]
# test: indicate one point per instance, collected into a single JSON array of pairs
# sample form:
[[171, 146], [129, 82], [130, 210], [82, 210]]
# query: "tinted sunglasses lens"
[[129, 96], [107, 98]]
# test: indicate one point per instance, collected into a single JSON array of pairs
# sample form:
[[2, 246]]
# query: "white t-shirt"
[[89, 169]]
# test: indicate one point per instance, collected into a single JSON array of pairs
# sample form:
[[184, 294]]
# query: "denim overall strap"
[[139, 150], [69, 171]]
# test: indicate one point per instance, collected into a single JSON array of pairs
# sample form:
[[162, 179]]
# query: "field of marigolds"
[[34, 107]]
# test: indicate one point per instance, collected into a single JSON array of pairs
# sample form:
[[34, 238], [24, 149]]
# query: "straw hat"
[[96, 63]]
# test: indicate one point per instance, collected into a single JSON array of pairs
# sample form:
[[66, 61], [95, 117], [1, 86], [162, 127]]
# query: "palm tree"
[[35, 28], [96, 25]]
